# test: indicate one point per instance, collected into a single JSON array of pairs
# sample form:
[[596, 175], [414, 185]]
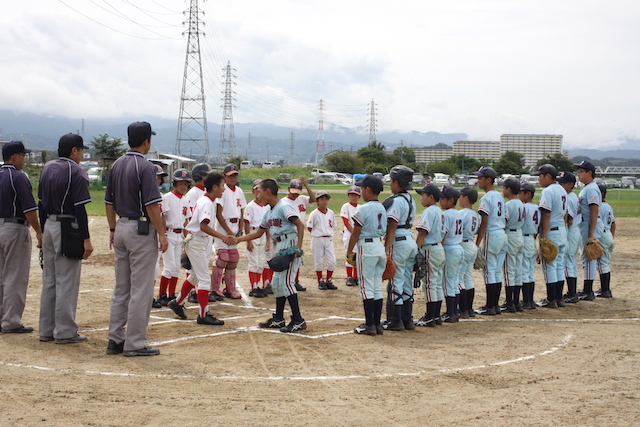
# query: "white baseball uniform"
[[346, 212], [253, 214], [301, 203], [198, 242], [176, 210], [322, 225], [232, 202]]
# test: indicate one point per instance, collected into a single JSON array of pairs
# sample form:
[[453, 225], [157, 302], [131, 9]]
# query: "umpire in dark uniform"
[[133, 194], [17, 211], [62, 194]]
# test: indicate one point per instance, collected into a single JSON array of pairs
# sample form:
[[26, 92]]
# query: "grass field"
[[625, 203]]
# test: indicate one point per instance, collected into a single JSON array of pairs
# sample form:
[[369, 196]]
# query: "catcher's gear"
[[181, 175], [420, 267], [480, 262], [351, 259], [548, 249], [185, 262], [293, 250], [281, 262], [593, 249], [390, 269], [200, 170]]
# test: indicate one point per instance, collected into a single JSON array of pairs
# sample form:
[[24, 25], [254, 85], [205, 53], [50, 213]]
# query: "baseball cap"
[[546, 169], [527, 186], [354, 189], [448, 192], [140, 130], [430, 189], [71, 140], [372, 182], [13, 147], [566, 177], [255, 183], [585, 165], [486, 171], [230, 169], [295, 186], [322, 193]]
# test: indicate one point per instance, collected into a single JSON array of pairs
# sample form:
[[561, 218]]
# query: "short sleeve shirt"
[[470, 223], [492, 205], [432, 221], [606, 215], [452, 227], [589, 195], [204, 211], [254, 212], [347, 212], [554, 200], [573, 209], [531, 220], [515, 214], [16, 195], [321, 223], [63, 186], [279, 220], [176, 210], [372, 218], [400, 212], [301, 203]]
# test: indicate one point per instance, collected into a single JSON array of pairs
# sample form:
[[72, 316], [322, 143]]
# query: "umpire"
[[133, 194], [63, 193], [17, 212]]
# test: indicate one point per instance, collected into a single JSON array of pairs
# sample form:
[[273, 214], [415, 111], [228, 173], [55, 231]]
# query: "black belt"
[[371, 239], [16, 220], [465, 241], [513, 229], [133, 218], [553, 229], [431, 244], [401, 238], [527, 235], [281, 238]]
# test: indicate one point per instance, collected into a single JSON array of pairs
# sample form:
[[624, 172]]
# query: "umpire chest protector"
[[406, 197]]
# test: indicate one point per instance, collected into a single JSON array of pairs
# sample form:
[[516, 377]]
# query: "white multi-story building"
[[533, 147], [432, 154], [489, 150]]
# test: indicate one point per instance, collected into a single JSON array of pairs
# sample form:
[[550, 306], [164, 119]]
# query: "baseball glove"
[[480, 262], [352, 259], [548, 250], [293, 250], [185, 262], [420, 268], [280, 262], [389, 270], [593, 249]]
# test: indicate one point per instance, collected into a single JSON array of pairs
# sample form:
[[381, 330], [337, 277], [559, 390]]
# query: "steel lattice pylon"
[[227, 135], [193, 132], [372, 123], [320, 140]]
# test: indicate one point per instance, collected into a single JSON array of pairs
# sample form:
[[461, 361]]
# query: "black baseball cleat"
[[209, 320], [365, 330], [423, 321], [329, 284], [570, 299], [486, 311], [299, 287], [294, 326], [351, 282], [560, 302], [73, 340], [144, 351], [177, 309], [529, 305], [268, 289], [379, 329], [549, 304], [606, 294], [21, 330], [258, 293], [164, 300], [156, 304], [322, 285], [272, 323], [192, 298], [113, 348]]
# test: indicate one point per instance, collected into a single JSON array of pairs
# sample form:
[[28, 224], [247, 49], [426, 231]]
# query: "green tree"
[[372, 154], [444, 166], [510, 162], [44, 156], [106, 146], [465, 163], [235, 160], [375, 167], [342, 161], [559, 160], [405, 155]]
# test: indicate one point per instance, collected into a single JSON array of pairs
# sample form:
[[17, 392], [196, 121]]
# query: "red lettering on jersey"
[[274, 222], [330, 223], [184, 211], [301, 208], [238, 204]]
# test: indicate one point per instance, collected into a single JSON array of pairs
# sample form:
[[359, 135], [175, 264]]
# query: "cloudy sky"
[[479, 67]]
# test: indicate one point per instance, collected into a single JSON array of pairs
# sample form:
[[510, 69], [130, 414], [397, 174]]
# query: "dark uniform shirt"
[[63, 186], [16, 194], [132, 185]]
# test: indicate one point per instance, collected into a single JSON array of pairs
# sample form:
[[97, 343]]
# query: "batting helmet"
[[181, 175], [402, 174], [200, 171], [160, 171]]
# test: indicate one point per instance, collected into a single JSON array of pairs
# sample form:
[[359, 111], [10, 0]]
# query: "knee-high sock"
[[369, 309], [173, 282], [184, 291], [295, 307], [280, 302], [164, 284], [377, 313], [203, 302]]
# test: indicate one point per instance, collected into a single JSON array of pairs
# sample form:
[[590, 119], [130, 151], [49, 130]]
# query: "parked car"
[[386, 179], [418, 179], [628, 181], [316, 171], [612, 183], [345, 177], [472, 180], [440, 179], [328, 178], [461, 180], [246, 164]]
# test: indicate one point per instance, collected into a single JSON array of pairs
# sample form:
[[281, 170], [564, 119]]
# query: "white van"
[[269, 165], [246, 164]]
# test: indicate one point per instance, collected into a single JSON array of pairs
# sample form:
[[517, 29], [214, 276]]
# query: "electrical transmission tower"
[[291, 149], [320, 141], [192, 124], [227, 146], [372, 123]]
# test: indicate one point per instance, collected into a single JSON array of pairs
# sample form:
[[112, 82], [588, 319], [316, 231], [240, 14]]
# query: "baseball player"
[[452, 230], [300, 203], [400, 245], [429, 242], [320, 224], [198, 174], [492, 237], [287, 230], [160, 174], [17, 212], [346, 213], [568, 181], [515, 245], [63, 193], [369, 225], [257, 249], [176, 210], [230, 212], [202, 230], [553, 209], [132, 193], [470, 225], [606, 241], [530, 224]]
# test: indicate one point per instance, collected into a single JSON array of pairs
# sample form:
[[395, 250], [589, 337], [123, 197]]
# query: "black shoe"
[[570, 299], [365, 330], [379, 329], [330, 285], [113, 348], [351, 282], [268, 289], [45, 339], [213, 297], [529, 305], [394, 325], [76, 339], [548, 304], [258, 293], [156, 304], [438, 320], [487, 311], [471, 312], [481, 310], [463, 315], [294, 326], [450, 319], [272, 323], [177, 309], [192, 298], [560, 302], [164, 300], [519, 307], [21, 330], [209, 320], [606, 294], [299, 287], [409, 325], [321, 285], [423, 321], [144, 351], [511, 308]]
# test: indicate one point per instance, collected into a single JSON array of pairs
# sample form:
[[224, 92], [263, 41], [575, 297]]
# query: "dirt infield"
[[573, 366]]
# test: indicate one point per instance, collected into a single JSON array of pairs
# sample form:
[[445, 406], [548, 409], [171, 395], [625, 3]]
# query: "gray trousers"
[[60, 286], [135, 264], [15, 259]]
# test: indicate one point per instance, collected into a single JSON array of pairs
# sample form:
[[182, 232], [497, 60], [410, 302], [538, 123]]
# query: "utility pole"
[[249, 144], [192, 122], [320, 140], [291, 149], [372, 123], [227, 134]]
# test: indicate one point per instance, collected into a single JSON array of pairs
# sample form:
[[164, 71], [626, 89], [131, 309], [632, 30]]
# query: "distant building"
[[489, 150], [532, 147], [432, 154]]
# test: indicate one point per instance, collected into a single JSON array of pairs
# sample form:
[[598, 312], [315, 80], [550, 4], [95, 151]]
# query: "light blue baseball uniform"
[[573, 236], [589, 195], [404, 248], [515, 247], [606, 238], [452, 251], [470, 225], [370, 256], [279, 221], [553, 200], [494, 245], [432, 221], [530, 225]]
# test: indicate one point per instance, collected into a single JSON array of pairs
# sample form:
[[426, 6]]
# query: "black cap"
[[585, 165], [430, 189], [140, 130], [71, 140], [448, 192], [566, 177], [486, 171], [527, 186], [13, 147], [546, 169], [230, 169], [373, 182]]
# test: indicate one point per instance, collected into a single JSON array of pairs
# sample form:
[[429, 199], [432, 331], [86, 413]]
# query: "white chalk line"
[[567, 338]]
